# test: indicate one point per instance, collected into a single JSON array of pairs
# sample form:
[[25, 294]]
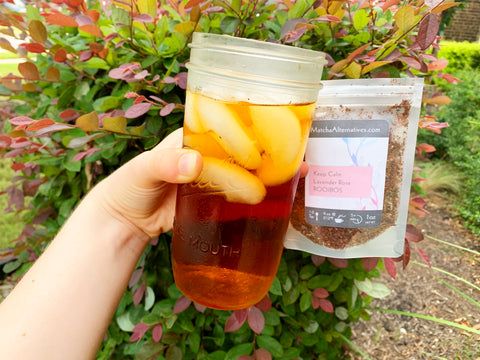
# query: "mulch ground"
[[418, 289]]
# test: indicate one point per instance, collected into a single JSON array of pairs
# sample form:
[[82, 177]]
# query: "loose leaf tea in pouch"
[[354, 201]]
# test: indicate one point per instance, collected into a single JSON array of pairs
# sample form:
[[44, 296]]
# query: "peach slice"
[[233, 134], [278, 131], [206, 144], [191, 119], [232, 181]]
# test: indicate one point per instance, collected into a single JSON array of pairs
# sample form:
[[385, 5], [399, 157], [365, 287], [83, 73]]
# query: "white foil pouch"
[[354, 201]]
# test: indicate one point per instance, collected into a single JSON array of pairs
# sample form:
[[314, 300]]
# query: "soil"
[[417, 289]]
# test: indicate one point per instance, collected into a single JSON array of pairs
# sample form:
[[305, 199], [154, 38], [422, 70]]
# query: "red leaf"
[[406, 254], [326, 305], [424, 256], [320, 293], [131, 95], [232, 324], [262, 354], [425, 147], [339, 263], [265, 304], [370, 263], [256, 320], [136, 275], [192, 3], [439, 64], [181, 304], [411, 62], [434, 126], [61, 19], [137, 110], [53, 128], [241, 315], [449, 78], [357, 52], [40, 124], [318, 260], [428, 30], [200, 308], [91, 29], [68, 115], [138, 331], [138, 294], [35, 48], [83, 154], [413, 233], [17, 166], [21, 120], [390, 267], [157, 333], [167, 109], [328, 18], [388, 4], [139, 99]]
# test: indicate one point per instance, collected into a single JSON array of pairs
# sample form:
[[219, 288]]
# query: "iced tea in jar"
[[248, 111]]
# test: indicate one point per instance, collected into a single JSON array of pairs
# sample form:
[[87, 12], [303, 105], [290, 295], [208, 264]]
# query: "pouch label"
[[347, 166]]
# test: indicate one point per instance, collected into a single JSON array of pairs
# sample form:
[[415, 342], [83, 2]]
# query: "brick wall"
[[465, 25]]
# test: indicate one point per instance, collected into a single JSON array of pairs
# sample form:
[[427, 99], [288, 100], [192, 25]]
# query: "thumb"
[[171, 165]]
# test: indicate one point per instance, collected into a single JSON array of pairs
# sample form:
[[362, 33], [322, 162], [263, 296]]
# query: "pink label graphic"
[[340, 181]]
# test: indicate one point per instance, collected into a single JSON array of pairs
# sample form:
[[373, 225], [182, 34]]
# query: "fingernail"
[[187, 164]]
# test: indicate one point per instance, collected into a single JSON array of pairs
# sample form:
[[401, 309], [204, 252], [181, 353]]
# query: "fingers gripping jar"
[[248, 111]]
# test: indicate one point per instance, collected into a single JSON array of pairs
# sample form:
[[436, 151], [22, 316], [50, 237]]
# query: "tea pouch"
[[354, 200]]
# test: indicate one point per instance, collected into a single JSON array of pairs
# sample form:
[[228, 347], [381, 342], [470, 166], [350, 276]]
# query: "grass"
[[440, 179], [11, 224], [7, 68]]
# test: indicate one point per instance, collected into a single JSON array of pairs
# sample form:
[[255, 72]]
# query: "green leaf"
[[193, 341], [33, 13], [147, 7], [74, 166], [82, 89], [149, 298], [297, 10], [307, 271], [291, 296], [319, 281], [276, 287], [229, 24], [152, 319], [124, 322], [217, 355], [336, 280], [341, 313], [171, 321], [271, 344], [79, 142], [305, 301], [11, 266], [312, 327], [237, 350], [374, 289], [405, 18], [360, 19], [173, 353]]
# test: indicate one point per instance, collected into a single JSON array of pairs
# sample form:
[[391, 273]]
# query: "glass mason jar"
[[248, 110]]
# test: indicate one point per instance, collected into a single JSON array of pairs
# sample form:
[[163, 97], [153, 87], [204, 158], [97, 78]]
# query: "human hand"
[[143, 191]]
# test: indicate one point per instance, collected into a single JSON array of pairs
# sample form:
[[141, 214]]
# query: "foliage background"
[[107, 82]]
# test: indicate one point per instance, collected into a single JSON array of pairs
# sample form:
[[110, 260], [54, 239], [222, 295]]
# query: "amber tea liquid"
[[230, 223]]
